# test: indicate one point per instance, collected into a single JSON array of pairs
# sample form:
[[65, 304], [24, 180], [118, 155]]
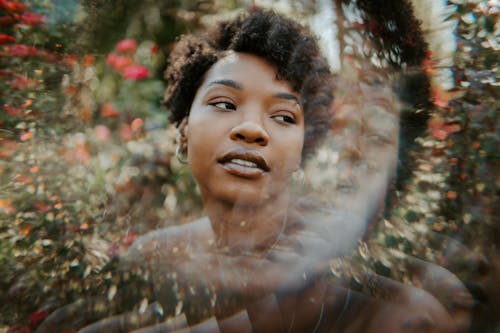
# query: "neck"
[[241, 228]]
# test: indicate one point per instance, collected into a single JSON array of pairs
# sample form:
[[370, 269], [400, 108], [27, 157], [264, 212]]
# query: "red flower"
[[129, 238], [109, 111], [3, 4], [12, 6], [40, 208], [22, 82], [70, 60], [26, 136], [37, 317], [126, 45], [358, 25], [440, 130], [118, 63], [49, 56], [11, 111], [33, 19], [440, 97], [23, 51], [136, 72], [7, 72], [88, 60], [6, 20], [6, 39], [154, 49]]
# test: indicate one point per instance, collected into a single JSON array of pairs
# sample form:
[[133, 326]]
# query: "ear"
[[182, 131], [183, 127]]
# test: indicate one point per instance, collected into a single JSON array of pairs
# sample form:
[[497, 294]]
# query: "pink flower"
[[136, 124], [118, 63], [33, 19], [135, 72], [110, 60], [126, 45], [22, 51], [102, 133]]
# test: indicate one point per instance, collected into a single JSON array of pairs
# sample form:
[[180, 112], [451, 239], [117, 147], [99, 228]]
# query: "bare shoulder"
[[413, 309], [175, 240]]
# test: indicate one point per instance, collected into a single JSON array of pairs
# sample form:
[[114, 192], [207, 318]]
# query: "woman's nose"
[[251, 132]]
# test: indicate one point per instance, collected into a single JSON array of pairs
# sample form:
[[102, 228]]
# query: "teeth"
[[244, 163]]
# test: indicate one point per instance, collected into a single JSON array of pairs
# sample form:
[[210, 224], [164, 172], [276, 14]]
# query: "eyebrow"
[[284, 95], [225, 82], [236, 85]]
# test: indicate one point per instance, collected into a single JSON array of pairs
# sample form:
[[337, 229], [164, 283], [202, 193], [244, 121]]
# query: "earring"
[[181, 149], [298, 176], [181, 155]]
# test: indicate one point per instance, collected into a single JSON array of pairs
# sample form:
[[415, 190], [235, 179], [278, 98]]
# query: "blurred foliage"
[[86, 150], [87, 155], [445, 213]]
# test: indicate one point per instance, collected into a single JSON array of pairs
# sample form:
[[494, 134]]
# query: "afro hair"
[[288, 46]]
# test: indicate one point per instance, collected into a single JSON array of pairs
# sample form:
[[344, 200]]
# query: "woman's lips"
[[244, 163]]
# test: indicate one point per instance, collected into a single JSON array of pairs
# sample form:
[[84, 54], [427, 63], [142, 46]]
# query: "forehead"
[[247, 69]]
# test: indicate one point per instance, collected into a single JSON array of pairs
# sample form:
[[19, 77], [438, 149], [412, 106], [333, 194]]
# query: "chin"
[[242, 196], [246, 194]]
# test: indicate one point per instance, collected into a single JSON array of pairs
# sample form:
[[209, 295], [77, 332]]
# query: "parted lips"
[[245, 157]]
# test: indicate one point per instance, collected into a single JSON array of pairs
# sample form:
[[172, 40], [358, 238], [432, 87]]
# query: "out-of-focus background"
[[87, 154]]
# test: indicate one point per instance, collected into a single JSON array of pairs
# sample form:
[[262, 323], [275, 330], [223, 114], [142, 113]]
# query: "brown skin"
[[241, 111], [241, 108], [239, 105]]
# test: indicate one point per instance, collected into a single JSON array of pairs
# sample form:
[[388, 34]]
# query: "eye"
[[224, 105], [284, 119]]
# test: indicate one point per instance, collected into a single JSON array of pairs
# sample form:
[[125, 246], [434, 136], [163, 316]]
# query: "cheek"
[[297, 144], [198, 146], [290, 153], [199, 157], [203, 138]]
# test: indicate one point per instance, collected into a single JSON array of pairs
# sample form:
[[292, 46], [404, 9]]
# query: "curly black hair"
[[285, 44]]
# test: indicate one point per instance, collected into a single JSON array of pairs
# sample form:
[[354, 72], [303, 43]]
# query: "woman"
[[251, 100]]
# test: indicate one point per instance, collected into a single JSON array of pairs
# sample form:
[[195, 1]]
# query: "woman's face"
[[245, 132]]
